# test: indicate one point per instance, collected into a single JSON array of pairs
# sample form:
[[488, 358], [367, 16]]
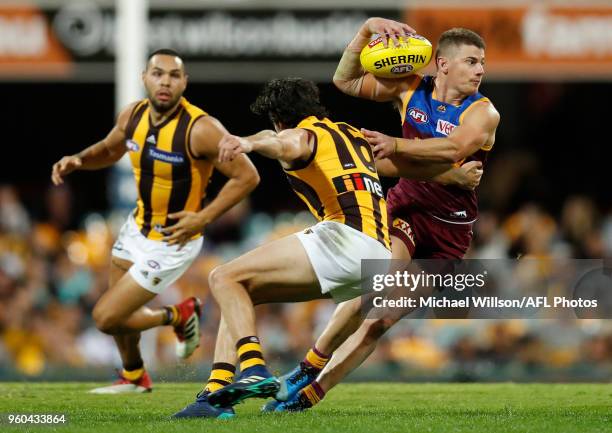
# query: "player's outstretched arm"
[[476, 131], [286, 146], [352, 79], [466, 176], [242, 175], [99, 155]]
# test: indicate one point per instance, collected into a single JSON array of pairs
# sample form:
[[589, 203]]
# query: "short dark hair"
[[458, 36], [289, 101], [164, 52]]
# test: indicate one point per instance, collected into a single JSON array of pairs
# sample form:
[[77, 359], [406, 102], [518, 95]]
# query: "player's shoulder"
[[205, 134], [128, 111], [483, 111], [489, 109], [298, 132], [130, 108], [205, 124], [193, 110]]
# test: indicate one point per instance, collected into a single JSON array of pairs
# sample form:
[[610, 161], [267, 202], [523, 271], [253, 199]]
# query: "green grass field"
[[380, 407]]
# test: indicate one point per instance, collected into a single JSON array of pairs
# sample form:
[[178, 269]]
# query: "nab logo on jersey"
[[444, 127], [417, 115]]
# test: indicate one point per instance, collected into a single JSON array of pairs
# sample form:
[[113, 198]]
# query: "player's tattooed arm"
[[352, 79], [102, 154]]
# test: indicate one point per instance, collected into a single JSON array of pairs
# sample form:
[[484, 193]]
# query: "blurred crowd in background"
[[51, 276]]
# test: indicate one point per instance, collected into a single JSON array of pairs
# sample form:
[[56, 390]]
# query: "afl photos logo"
[[417, 115]]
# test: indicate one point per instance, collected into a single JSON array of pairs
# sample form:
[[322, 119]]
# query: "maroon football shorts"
[[427, 237]]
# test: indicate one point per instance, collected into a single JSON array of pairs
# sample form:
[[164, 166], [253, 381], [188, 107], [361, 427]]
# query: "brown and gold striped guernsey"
[[339, 182], [168, 177]]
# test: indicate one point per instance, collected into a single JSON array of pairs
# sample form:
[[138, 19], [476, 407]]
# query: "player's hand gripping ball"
[[396, 61]]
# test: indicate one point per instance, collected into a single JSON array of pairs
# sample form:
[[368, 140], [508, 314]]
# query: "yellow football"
[[396, 61]]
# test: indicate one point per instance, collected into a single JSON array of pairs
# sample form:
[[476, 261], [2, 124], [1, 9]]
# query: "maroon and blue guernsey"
[[425, 117]]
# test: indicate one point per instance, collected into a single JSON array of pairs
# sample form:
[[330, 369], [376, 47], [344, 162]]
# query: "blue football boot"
[[201, 408], [298, 378], [297, 403], [256, 381]]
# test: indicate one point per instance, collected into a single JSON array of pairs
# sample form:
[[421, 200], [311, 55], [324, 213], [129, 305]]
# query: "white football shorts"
[[335, 251], [156, 264]]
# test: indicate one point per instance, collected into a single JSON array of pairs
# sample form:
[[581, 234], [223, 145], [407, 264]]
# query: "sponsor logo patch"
[[405, 228], [459, 214], [375, 42], [169, 157], [132, 146], [417, 115], [156, 281], [444, 127], [358, 182], [441, 108], [153, 264]]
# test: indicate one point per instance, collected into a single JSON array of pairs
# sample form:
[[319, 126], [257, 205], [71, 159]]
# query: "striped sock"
[[133, 375], [313, 393], [249, 352], [222, 374], [173, 317], [315, 359]]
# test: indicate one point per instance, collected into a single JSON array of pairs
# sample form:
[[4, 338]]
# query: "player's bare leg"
[[351, 353], [120, 310], [362, 343], [121, 313], [128, 345], [346, 319], [276, 272]]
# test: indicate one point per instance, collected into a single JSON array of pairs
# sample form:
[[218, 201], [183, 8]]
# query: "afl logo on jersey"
[[417, 115]]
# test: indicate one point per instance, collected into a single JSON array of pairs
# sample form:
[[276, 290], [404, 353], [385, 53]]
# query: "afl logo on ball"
[[417, 115], [402, 69]]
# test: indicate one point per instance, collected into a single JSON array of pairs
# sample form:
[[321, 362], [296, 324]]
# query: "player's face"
[[165, 81], [466, 68]]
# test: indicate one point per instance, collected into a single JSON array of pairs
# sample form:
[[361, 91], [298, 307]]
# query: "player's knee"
[[105, 322], [218, 278]]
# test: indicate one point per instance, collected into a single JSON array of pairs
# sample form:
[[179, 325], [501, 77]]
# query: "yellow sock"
[[249, 352], [316, 359], [222, 374], [133, 375]]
